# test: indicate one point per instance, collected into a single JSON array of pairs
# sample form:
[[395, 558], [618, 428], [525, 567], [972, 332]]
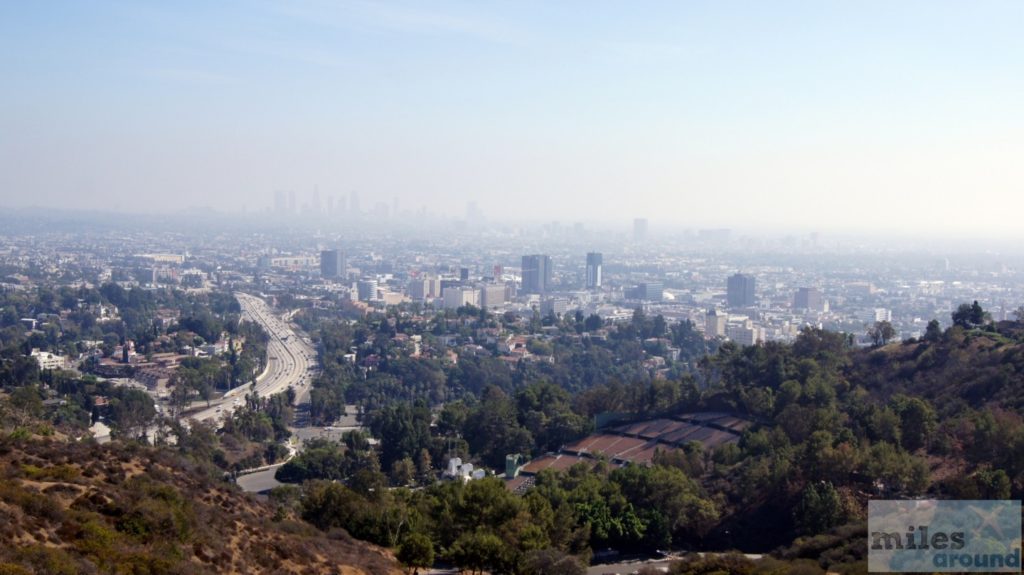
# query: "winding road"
[[291, 361]]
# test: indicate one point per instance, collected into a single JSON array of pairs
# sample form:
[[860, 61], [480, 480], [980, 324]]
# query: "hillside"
[[831, 425], [976, 369], [936, 417], [71, 507]]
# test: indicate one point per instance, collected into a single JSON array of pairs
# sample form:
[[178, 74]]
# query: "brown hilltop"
[[69, 507]]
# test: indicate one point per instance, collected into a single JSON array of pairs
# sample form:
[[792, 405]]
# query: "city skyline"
[[875, 116], [373, 286]]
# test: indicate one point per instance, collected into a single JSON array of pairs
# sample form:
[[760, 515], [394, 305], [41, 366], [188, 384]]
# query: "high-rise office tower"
[[807, 298], [353, 204], [366, 289], [640, 230], [280, 202], [536, 273], [332, 264], [740, 290], [434, 287], [419, 288], [594, 269]]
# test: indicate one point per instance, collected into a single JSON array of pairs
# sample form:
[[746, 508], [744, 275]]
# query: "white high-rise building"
[[715, 322], [877, 314], [492, 296], [367, 289], [745, 333], [458, 296]]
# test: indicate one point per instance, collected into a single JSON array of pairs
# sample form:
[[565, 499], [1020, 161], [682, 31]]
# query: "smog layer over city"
[[510, 288]]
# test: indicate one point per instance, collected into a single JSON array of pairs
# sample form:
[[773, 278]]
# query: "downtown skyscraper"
[[594, 269], [536, 273]]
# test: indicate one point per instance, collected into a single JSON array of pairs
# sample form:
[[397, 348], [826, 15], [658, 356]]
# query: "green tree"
[[819, 509], [27, 400], [493, 429], [993, 484], [321, 459], [978, 315], [593, 322], [327, 504], [132, 412], [479, 551], [416, 551], [881, 333], [669, 498], [546, 412], [969, 316], [659, 326], [404, 431], [403, 471], [897, 469], [539, 347], [917, 421], [884, 424], [452, 418], [199, 440]]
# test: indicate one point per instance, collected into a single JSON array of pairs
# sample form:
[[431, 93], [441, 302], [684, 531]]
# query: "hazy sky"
[[821, 114]]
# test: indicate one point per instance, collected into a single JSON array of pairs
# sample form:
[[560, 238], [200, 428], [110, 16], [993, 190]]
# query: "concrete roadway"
[[628, 567], [290, 361], [259, 482]]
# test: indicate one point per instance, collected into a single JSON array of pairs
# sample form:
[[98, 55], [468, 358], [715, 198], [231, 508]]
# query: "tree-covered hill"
[[939, 417], [958, 369]]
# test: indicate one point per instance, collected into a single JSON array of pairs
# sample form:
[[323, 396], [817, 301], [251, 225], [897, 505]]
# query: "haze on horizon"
[[869, 115]]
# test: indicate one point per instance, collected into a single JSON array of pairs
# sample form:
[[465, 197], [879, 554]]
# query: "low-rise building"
[[47, 360]]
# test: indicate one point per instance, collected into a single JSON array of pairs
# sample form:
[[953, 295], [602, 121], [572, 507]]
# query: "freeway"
[[291, 361]]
